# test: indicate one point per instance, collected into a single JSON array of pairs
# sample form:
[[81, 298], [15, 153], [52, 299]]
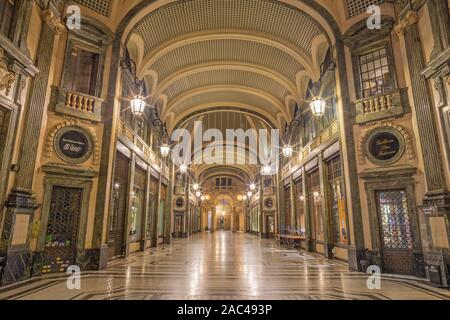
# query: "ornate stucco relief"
[[7, 77], [49, 145], [409, 147]]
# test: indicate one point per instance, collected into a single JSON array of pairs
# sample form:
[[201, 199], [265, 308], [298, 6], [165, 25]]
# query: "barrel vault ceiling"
[[206, 60]]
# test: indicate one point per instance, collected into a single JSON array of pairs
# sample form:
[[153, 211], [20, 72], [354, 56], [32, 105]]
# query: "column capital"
[[408, 20], [53, 21]]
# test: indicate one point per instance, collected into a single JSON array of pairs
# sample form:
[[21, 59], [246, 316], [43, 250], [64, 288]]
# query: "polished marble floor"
[[221, 266]]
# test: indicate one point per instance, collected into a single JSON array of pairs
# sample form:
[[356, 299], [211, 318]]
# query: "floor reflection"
[[223, 265]]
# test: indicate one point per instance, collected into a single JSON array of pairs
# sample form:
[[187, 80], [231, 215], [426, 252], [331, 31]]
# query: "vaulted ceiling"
[[228, 63], [247, 54]]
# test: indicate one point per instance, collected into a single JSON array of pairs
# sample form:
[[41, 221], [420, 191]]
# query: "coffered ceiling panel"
[[102, 7], [261, 16], [251, 52]]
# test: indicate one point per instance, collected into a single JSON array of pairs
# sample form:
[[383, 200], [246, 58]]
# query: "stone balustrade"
[[389, 104], [77, 104]]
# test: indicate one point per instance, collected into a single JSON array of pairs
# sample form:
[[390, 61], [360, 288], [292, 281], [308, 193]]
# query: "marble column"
[[155, 235], [281, 200], [307, 213], [326, 221], [187, 215], [21, 201], [436, 204], [168, 214], [422, 104], [293, 214], [262, 215]]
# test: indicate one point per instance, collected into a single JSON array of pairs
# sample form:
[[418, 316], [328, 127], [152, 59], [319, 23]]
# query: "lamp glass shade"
[[198, 194], [183, 168], [252, 186], [195, 186], [287, 151], [267, 170], [318, 106], [137, 106], [249, 195], [165, 149]]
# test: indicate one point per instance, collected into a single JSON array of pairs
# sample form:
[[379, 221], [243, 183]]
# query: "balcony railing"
[[392, 103], [77, 104], [141, 145], [327, 134]]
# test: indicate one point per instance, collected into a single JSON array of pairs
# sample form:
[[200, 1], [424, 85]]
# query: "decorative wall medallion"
[[401, 134], [268, 203], [384, 146], [179, 203], [73, 144]]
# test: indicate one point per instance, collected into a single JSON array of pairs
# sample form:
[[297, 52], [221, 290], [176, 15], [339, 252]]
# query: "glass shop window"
[[315, 205], [83, 71], [137, 207], [375, 73], [337, 201], [6, 16]]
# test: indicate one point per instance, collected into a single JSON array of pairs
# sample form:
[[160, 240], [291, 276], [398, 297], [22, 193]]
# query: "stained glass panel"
[[395, 219]]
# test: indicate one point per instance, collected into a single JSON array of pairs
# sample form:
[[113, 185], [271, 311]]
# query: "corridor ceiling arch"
[[215, 43]]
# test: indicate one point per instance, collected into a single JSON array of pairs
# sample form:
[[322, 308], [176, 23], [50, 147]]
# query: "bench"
[[290, 240]]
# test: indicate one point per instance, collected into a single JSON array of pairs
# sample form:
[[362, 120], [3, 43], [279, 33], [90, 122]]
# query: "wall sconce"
[[137, 106], [253, 187], [267, 170], [195, 186], [318, 106], [288, 151], [183, 168], [249, 195], [165, 150], [198, 194]]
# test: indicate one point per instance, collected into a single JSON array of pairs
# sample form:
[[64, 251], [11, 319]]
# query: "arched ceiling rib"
[[188, 117], [226, 77], [225, 94], [233, 50]]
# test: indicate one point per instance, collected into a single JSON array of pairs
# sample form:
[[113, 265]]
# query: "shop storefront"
[[118, 213], [315, 208]]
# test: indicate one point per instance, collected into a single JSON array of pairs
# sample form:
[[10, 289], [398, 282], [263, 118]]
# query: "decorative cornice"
[[53, 21], [409, 20]]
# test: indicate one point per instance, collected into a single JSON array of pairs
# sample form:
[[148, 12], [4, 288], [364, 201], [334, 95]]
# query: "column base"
[[16, 266], [328, 251], [436, 261], [358, 260]]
